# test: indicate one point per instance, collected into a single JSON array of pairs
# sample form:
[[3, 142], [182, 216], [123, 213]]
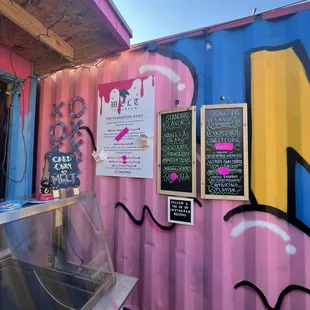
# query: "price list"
[[225, 166], [177, 152]]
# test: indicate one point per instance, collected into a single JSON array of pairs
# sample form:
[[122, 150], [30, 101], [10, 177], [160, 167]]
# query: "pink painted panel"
[[189, 267], [21, 65], [22, 68]]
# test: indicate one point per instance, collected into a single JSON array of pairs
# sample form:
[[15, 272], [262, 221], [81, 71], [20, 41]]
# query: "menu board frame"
[[203, 109], [159, 177]]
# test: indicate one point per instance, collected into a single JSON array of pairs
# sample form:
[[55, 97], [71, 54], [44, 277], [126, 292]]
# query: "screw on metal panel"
[[223, 99]]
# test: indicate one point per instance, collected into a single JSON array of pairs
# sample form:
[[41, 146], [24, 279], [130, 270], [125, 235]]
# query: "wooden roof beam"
[[26, 21]]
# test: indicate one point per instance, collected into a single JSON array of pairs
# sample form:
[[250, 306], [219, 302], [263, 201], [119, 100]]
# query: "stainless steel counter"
[[115, 298], [34, 209]]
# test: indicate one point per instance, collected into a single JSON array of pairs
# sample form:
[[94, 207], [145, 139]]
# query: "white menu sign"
[[125, 112]]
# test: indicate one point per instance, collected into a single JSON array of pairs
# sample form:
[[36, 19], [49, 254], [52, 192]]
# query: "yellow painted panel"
[[280, 119]]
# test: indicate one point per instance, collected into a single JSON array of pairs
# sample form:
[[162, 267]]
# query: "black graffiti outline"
[[168, 52], [281, 297], [140, 222], [293, 158], [146, 208]]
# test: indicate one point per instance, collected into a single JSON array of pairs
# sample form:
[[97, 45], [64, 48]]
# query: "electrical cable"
[[6, 148], [60, 18], [16, 85], [91, 136]]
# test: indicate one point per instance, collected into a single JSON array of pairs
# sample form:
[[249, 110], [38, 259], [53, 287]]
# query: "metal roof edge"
[[274, 13], [121, 18]]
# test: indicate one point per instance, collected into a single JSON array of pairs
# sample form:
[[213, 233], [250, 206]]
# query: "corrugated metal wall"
[[265, 64]]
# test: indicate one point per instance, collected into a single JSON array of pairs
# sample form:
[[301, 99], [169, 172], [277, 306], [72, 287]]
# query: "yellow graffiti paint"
[[280, 119]]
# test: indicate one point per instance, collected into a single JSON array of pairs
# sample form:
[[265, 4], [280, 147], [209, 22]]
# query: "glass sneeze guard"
[[54, 255]]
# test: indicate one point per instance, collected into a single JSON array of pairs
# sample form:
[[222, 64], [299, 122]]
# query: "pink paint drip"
[[105, 90], [224, 146], [223, 171], [173, 176], [121, 135]]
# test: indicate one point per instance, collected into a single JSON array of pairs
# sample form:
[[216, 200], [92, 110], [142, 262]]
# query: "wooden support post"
[[76, 191], [56, 194]]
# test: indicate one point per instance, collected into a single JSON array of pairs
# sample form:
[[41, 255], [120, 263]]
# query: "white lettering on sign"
[[63, 170], [64, 178], [63, 166], [62, 159]]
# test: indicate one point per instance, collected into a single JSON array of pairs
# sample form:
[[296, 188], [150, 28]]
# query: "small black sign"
[[177, 152], [180, 210], [225, 152], [63, 170]]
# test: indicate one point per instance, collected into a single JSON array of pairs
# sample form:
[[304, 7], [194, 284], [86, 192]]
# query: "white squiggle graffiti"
[[245, 225], [198, 157], [169, 73]]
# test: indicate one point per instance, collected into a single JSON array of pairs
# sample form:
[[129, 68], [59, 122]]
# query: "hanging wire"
[[16, 85], [59, 19], [6, 146]]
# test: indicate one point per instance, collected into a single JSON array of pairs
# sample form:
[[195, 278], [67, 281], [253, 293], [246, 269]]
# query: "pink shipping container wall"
[[198, 267]]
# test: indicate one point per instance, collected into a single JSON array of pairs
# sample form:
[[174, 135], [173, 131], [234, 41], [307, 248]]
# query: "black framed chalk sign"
[[176, 152], [181, 210], [224, 152], [63, 170]]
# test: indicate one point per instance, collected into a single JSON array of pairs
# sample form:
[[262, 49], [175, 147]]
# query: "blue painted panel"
[[21, 142], [17, 153], [31, 133], [221, 70], [21, 147], [302, 194]]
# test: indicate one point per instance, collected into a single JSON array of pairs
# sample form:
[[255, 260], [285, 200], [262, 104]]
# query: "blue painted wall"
[[21, 145], [20, 158], [221, 70]]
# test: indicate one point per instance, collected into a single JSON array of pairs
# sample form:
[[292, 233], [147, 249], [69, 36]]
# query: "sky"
[[153, 19]]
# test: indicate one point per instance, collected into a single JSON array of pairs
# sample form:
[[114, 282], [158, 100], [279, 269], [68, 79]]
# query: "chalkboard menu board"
[[224, 152], [181, 210], [176, 174], [63, 170]]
